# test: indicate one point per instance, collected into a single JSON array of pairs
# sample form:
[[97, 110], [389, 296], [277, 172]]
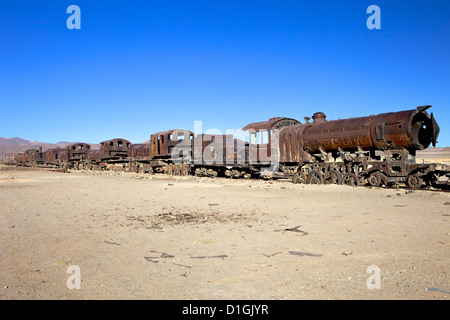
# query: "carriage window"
[[111, 143], [119, 143], [259, 137], [162, 139], [170, 137], [180, 136], [128, 144], [265, 137], [253, 138]]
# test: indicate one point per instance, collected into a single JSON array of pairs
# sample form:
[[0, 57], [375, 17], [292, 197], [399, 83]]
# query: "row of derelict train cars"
[[377, 150]]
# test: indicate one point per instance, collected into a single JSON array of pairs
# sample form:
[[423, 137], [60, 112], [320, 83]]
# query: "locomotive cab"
[[41, 156], [78, 151], [263, 140], [114, 148], [163, 143]]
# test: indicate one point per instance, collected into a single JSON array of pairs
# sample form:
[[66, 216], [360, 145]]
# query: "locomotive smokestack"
[[319, 117]]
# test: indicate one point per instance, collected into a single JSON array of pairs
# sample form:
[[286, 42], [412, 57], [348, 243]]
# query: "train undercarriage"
[[394, 168]]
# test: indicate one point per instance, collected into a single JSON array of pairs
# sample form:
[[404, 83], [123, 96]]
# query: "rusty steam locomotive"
[[375, 150]]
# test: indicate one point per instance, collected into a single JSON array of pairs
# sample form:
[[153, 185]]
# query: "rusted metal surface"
[[114, 149], [272, 123], [345, 150], [20, 158], [162, 143], [291, 145], [261, 135], [141, 151], [411, 129], [62, 155], [219, 150], [51, 156], [93, 156], [30, 156], [8, 158], [78, 151]]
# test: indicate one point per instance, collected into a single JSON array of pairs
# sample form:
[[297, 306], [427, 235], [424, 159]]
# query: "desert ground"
[[102, 235]]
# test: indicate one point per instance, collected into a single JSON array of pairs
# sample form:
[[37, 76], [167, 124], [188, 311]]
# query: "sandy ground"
[[158, 237]]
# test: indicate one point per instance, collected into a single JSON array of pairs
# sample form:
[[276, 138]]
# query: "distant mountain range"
[[15, 145]]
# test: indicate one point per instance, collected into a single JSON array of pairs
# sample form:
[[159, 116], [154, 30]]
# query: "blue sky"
[[138, 67]]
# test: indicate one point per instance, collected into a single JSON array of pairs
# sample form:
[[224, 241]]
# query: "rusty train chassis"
[[353, 169], [364, 168]]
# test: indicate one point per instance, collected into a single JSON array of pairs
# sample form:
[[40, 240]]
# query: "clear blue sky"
[[138, 67]]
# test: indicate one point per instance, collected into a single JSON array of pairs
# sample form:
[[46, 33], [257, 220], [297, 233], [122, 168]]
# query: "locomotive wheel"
[[350, 179], [184, 170], [432, 180], [177, 170], [375, 179], [333, 177], [414, 181], [315, 177], [198, 172], [299, 177], [212, 173]]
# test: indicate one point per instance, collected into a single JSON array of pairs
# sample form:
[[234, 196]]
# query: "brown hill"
[[16, 145], [440, 154]]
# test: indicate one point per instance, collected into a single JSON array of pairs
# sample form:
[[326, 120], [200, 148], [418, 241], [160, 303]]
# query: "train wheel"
[[375, 179], [177, 169], [350, 179], [198, 172], [432, 180], [212, 173], [170, 169], [182, 169], [414, 181], [332, 177], [315, 177], [299, 177], [247, 175]]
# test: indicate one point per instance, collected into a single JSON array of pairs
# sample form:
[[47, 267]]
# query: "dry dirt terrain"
[[131, 236]]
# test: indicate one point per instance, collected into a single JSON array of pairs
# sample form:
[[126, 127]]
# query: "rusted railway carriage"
[[26, 158], [111, 153], [165, 152]]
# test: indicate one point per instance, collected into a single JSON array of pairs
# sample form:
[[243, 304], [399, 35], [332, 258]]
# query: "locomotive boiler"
[[377, 149]]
